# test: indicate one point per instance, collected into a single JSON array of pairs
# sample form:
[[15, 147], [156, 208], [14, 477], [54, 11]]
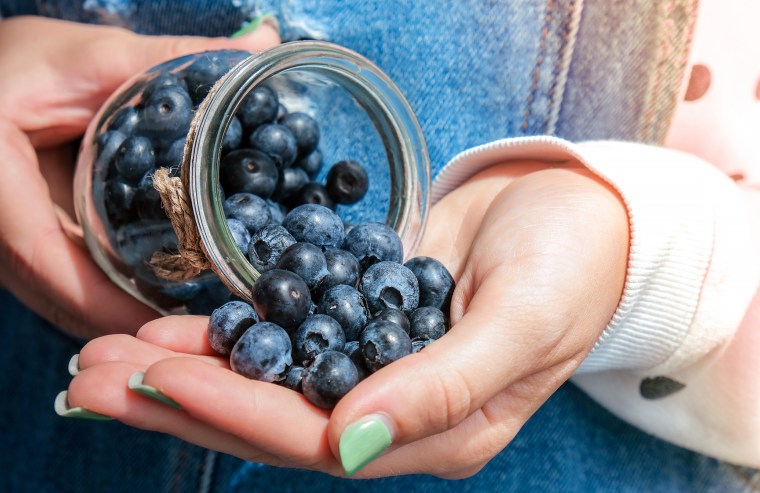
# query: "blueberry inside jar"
[[242, 139]]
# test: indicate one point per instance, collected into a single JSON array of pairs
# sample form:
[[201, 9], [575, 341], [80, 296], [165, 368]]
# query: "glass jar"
[[188, 114]]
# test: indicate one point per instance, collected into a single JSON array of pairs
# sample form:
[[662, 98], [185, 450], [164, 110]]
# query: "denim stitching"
[[207, 471], [570, 32], [673, 48], [539, 61]]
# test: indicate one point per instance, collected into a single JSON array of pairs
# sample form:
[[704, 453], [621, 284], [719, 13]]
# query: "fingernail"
[[62, 408], [135, 383], [362, 441], [74, 365], [266, 18]]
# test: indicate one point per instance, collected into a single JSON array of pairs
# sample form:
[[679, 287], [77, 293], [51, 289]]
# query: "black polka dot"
[[659, 387], [699, 82]]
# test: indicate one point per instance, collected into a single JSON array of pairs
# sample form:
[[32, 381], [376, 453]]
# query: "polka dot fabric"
[[718, 118]]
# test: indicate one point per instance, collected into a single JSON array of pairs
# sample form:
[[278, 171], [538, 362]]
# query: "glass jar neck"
[[391, 114]]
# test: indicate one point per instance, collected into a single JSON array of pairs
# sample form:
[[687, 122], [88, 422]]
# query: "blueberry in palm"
[[435, 281], [281, 297], [390, 285], [315, 224], [317, 334], [227, 323], [262, 353], [382, 343], [331, 376], [346, 305], [374, 242], [307, 261]]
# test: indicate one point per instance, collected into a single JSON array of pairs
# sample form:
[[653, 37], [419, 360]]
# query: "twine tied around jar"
[[190, 259]]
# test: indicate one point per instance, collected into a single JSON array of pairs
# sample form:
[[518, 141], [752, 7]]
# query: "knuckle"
[[451, 393]]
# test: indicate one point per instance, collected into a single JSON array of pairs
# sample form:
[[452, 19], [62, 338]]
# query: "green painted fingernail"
[[135, 383], [62, 408], [253, 24], [74, 365], [363, 441]]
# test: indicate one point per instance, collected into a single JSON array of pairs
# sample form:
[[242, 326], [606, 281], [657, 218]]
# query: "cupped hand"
[[540, 258], [54, 75]]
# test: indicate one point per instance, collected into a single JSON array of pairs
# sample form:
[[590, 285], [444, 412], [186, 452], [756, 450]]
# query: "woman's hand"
[[54, 75], [540, 258]]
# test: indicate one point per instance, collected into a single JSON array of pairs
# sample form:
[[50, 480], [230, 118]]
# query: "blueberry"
[[311, 163], [135, 242], [262, 353], [134, 158], [185, 290], [428, 322], [166, 115], [147, 199], [331, 376], [107, 145], [396, 316], [119, 199], [171, 157], [315, 224], [266, 246], [346, 305], [353, 350], [382, 343], [125, 120], [250, 171], [289, 183], [436, 283], [239, 233], [307, 261], [347, 182], [313, 193], [390, 285], [276, 212], [305, 130], [248, 209], [317, 334], [259, 107], [342, 268], [293, 378], [209, 67], [227, 324], [166, 79], [233, 137], [374, 242], [277, 142], [281, 297]]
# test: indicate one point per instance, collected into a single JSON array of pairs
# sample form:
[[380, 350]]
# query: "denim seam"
[[668, 68], [537, 66], [207, 471], [564, 59]]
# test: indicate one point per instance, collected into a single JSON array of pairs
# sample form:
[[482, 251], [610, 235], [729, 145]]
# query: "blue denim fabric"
[[571, 444], [473, 72]]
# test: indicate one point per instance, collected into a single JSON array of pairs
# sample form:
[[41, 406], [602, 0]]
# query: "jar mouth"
[[372, 89]]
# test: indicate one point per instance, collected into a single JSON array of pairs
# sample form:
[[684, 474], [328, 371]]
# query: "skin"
[[538, 253], [49, 92]]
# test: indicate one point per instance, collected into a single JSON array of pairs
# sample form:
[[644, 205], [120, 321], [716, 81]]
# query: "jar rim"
[[383, 101]]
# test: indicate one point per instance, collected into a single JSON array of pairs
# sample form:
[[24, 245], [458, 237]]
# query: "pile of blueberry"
[[269, 165], [333, 304]]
